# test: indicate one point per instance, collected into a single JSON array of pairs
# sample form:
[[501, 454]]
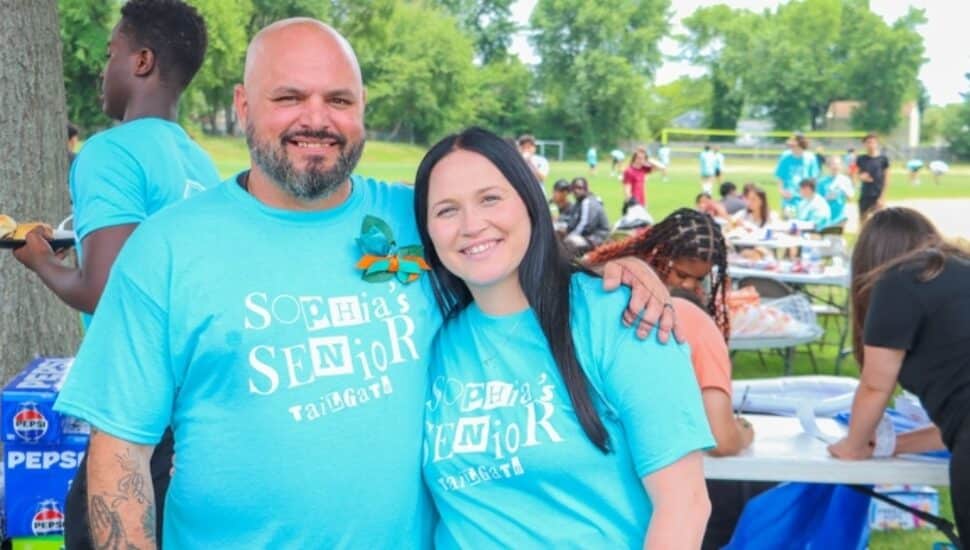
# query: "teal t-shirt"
[[127, 173], [506, 459], [815, 211], [791, 170], [294, 387], [708, 162]]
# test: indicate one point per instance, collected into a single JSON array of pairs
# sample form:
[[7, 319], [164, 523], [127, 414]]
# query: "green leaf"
[[373, 222]]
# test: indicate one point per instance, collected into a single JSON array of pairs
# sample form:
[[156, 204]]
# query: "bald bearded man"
[[294, 382]]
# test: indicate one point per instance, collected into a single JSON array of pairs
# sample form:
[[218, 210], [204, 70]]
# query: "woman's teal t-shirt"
[[506, 459]]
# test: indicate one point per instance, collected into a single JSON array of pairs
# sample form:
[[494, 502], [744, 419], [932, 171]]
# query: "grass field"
[[395, 162]]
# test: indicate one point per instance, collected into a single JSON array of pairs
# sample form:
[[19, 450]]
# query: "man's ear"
[[144, 62], [241, 104]]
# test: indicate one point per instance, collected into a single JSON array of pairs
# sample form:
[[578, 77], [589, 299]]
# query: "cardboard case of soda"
[[42, 449]]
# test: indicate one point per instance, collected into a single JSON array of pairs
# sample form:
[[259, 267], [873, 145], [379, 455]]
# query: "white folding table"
[[782, 451]]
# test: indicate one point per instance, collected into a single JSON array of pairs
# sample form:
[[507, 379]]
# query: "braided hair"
[[686, 233]]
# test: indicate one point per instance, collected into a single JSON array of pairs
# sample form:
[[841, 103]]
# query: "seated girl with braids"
[[684, 249], [547, 424]]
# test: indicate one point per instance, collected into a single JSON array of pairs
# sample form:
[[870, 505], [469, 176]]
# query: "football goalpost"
[[753, 143]]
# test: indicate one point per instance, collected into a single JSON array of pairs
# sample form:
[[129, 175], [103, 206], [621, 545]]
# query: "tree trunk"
[[230, 112], [33, 177]]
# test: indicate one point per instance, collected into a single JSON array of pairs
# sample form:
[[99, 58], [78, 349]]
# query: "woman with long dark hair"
[[911, 325], [547, 424], [757, 214]]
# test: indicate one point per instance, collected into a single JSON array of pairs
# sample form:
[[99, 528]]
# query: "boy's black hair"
[[727, 188], [173, 30]]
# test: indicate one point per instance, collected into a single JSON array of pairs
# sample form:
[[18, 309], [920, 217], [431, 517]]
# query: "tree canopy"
[[432, 66]]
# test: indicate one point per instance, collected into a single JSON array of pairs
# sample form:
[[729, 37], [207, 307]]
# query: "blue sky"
[[944, 35]]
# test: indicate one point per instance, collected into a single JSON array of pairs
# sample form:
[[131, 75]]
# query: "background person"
[[757, 214], [635, 176], [538, 163], [837, 189], [123, 176], [663, 155], [938, 168], [588, 226], [812, 208], [591, 159], [706, 204], [794, 165], [873, 168], [848, 160], [719, 164], [694, 252], [523, 314], [913, 166], [911, 325], [708, 166], [616, 157], [730, 200], [560, 199]]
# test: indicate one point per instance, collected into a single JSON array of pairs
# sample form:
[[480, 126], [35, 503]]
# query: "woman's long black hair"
[[544, 273]]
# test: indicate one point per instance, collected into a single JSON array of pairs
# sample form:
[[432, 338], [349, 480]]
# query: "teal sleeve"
[[107, 187], [659, 402], [649, 386], [122, 381]]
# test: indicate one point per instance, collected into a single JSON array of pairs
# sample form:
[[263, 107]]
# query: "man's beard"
[[314, 182]]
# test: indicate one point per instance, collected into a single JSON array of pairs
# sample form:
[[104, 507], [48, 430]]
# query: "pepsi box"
[[37, 478], [28, 404]]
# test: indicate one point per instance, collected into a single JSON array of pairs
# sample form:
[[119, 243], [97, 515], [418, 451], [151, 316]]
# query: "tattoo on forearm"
[[148, 522], [108, 531]]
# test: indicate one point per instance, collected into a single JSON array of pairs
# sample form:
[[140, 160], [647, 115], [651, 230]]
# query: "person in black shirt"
[[873, 170], [588, 225], [911, 322]]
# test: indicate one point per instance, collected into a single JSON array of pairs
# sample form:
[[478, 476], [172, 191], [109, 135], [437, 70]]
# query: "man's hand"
[[649, 301], [36, 250], [864, 176], [846, 450]]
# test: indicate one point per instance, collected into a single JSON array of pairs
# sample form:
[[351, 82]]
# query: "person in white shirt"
[[812, 208], [538, 163]]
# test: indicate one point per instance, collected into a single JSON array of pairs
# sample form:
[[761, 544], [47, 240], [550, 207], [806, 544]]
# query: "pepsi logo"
[[48, 520], [29, 423]]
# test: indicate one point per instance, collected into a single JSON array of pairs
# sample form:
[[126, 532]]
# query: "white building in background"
[[905, 136]]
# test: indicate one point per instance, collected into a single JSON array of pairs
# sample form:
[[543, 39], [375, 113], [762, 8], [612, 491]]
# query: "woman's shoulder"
[[695, 323]]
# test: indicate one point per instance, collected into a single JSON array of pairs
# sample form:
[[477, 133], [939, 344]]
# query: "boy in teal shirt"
[[124, 175]]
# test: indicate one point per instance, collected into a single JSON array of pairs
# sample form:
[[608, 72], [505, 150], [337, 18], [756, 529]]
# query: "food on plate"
[[7, 225], [23, 228], [10, 229]]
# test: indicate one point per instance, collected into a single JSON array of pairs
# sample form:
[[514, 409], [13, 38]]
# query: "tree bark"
[[33, 177]]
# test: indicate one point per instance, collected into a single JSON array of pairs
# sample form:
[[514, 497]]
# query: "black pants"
[[866, 204], [728, 499], [77, 533], [960, 482]]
